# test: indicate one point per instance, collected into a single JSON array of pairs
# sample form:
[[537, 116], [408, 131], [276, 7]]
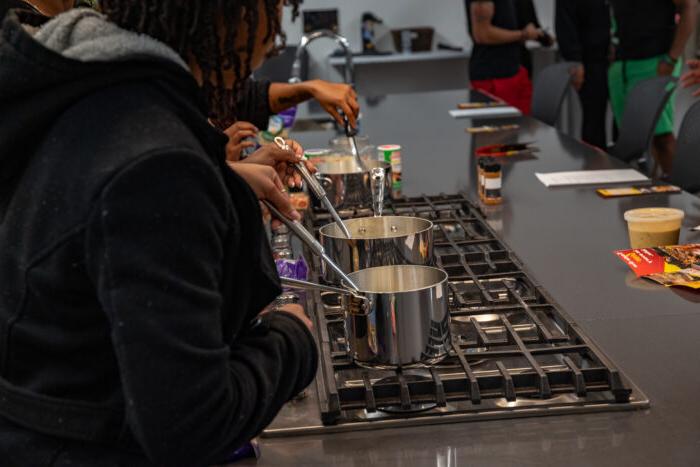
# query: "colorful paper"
[[670, 266]]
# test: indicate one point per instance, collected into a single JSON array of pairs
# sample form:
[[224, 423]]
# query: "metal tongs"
[[306, 237], [350, 133], [316, 187], [377, 181]]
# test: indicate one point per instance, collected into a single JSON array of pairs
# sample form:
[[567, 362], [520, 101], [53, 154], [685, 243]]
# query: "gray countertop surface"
[[566, 237]]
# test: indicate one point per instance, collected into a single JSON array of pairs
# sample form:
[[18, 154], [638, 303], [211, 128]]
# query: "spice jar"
[[480, 176], [493, 180]]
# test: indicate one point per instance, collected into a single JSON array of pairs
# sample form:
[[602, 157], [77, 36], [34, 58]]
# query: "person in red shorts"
[[495, 65]]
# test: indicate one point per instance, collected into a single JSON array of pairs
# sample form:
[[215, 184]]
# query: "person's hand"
[[692, 76], [267, 186], [237, 133], [292, 309], [578, 76], [334, 96], [664, 68], [282, 161], [531, 33]]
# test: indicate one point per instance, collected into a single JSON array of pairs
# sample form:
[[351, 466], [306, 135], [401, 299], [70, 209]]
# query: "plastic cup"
[[652, 227]]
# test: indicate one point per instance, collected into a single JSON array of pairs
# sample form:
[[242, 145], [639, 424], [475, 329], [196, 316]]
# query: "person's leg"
[[664, 142], [486, 85], [516, 90], [594, 103], [663, 149], [618, 87]]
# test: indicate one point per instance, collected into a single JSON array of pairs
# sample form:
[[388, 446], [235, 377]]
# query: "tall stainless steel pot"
[[398, 318], [377, 241], [346, 184]]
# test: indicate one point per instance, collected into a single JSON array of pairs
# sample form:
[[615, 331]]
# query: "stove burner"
[[513, 347]]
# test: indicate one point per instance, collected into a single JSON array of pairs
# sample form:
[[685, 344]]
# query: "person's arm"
[[485, 33], [684, 29], [332, 97], [154, 252]]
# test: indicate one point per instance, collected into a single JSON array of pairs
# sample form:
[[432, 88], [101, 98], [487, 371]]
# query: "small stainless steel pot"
[[377, 241], [398, 318], [346, 184]]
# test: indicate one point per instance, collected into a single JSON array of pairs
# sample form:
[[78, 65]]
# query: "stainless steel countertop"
[[566, 238]]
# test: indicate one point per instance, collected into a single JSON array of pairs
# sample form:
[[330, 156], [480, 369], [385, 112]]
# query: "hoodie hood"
[[86, 35], [72, 56]]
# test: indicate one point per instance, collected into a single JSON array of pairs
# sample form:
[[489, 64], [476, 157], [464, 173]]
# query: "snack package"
[[669, 266]]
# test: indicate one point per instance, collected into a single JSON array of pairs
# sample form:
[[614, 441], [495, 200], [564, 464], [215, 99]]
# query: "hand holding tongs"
[[306, 237], [315, 187], [350, 133]]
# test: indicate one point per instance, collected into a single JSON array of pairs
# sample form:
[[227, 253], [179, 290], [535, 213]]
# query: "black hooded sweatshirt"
[[133, 265]]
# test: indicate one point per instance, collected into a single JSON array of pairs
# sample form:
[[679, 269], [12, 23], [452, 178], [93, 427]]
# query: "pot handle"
[[377, 176], [357, 298], [326, 182]]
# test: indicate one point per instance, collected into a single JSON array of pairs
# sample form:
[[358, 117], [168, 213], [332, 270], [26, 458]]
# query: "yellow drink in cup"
[[652, 227]]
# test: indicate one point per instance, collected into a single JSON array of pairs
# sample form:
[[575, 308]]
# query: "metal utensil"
[[399, 317], [350, 133], [315, 187], [377, 184], [306, 237]]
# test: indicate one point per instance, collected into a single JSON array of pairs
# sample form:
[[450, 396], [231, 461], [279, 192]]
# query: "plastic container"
[[652, 227]]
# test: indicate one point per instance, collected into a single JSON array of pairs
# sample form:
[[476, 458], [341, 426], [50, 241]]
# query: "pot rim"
[[349, 222], [320, 165], [353, 276]]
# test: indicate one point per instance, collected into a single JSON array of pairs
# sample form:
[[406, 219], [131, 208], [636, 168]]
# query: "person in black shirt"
[[583, 32], [495, 65]]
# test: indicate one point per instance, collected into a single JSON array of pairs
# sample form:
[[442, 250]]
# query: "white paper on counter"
[[486, 112], [696, 229], [590, 177]]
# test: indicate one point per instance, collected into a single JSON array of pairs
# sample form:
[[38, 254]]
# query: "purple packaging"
[[249, 450], [293, 268], [288, 116]]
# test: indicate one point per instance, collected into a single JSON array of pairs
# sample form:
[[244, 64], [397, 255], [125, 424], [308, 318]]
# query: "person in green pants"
[[649, 37]]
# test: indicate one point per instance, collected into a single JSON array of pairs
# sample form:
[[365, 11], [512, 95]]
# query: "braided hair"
[[205, 31]]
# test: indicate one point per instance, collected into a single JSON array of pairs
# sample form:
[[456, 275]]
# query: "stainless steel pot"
[[346, 184], [398, 318], [377, 241]]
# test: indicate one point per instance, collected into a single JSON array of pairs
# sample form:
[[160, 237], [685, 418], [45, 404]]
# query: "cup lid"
[[389, 147], [654, 215]]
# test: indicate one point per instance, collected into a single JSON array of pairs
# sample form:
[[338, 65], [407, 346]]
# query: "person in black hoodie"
[[133, 262]]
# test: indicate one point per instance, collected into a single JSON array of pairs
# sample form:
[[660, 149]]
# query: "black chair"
[[550, 87], [686, 163], [645, 103]]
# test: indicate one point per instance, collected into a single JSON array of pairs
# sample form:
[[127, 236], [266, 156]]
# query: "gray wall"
[[446, 16]]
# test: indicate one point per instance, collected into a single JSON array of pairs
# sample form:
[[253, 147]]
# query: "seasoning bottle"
[[493, 180], [391, 153], [480, 176]]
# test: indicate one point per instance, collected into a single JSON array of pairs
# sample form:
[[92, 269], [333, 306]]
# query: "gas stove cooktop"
[[515, 353]]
